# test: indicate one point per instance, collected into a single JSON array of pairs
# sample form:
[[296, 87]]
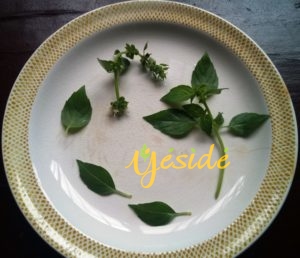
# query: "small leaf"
[[144, 60], [156, 213], [76, 112], [119, 106], [213, 91], [98, 179], [219, 120], [206, 124], [131, 50], [173, 122], [124, 65], [203, 92], [178, 94], [108, 65], [120, 65], [145, 47], [245, 124], [204, 73], [193, 110]]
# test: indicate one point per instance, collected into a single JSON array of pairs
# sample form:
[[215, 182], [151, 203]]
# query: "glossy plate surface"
[[41, 160]]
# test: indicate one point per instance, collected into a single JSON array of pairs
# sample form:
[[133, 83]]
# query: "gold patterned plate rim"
[[19, 170]]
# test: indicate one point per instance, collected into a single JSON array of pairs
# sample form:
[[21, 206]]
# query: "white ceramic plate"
[[77, 221]]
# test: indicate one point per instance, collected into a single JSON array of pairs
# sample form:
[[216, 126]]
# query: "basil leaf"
[[145, 47], [131, 50], [193, 110], [108, 65], [205, 73], [209, 91], [206, 124], [123, 65], [156, 213], [245, 124], [76, 112], [178, 94], [98, 179], [203, 92], [173, 122], [219, 120]]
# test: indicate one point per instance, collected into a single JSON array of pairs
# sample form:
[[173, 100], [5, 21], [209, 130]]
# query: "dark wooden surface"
[[273, 24]]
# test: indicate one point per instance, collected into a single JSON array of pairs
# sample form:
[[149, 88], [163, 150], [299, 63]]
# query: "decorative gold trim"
[[68, 240]]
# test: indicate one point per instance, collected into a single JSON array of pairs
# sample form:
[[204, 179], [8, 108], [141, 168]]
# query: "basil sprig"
[[179, 121], [120, 64]]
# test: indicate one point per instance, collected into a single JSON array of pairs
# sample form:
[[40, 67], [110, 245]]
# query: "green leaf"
[[144, 60], [173, 122], [145, 47], [204, 73], [203, 92], [131, 50], [156, 213], [178, 94], [245, 124], [219, 120], [108, 65], [123, 65], [120, 65], [209, 91], [117, 51], [119, 106], [193, 110], [76, 112], [98, 179], [206, 124]]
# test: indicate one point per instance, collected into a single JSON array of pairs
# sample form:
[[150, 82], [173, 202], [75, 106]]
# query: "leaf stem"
[[116, 83], [122, 194], [222, 153], [208, 110], [222, 170], [186, 213]]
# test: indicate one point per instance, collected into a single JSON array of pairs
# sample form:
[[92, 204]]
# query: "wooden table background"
[[273, 24]]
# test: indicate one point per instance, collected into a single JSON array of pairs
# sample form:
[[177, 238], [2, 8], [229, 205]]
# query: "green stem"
[[117, 75], [122, 194], [222, 153], [208, 110], [119, 55], [186, 213], [222, 170], [117, 80]]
